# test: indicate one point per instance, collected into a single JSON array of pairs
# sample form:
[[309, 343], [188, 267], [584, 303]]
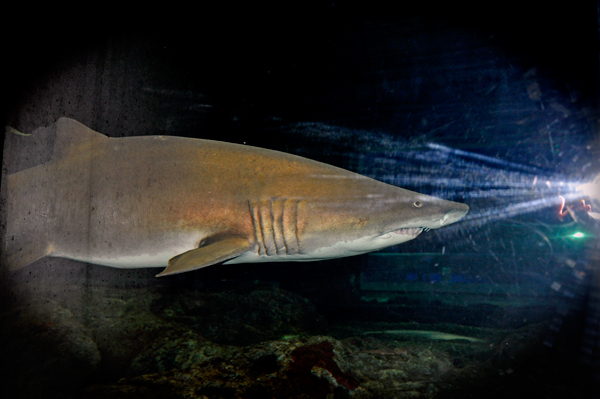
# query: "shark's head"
[[371, 221], [342, 214]]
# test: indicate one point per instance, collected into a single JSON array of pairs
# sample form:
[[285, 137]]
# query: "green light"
[[578, 235]]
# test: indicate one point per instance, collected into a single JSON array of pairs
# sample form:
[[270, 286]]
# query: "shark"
[[185, 203]]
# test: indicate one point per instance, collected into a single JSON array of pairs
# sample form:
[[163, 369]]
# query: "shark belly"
[[154, 252], [160, 259], [336, 250]]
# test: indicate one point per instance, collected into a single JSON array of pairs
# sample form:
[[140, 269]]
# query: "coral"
[[308, 357]]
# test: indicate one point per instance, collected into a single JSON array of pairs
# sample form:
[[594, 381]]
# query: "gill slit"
[[275, 226]]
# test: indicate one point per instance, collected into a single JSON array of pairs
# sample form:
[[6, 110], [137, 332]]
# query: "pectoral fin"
[[198, 258]]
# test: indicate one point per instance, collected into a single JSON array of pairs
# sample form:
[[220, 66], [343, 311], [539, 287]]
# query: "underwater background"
[[495, 106]]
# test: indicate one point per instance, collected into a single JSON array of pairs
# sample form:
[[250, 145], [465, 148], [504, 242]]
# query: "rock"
[[295, 368], [47, 351], [242, 316], [177, 348], [101, 333], [123, 326], [119, 321]]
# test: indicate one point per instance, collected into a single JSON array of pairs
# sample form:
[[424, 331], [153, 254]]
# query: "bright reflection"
[[591, 189], [494, 188]]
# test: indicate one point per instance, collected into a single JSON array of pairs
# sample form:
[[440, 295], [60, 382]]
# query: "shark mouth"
[[411, 231]]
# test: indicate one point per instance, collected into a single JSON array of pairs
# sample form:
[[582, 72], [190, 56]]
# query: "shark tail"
[[27, 227], [35, 203], [27, 253]]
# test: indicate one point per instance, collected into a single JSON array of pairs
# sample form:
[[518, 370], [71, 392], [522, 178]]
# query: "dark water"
[[497, 110]]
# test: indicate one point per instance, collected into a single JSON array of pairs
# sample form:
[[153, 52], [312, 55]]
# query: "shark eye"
[[418, 204]]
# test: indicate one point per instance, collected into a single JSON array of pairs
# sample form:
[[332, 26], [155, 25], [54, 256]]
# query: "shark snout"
[[454, 215]]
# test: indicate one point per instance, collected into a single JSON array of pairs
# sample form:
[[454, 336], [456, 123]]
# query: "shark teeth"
[[412, 231]]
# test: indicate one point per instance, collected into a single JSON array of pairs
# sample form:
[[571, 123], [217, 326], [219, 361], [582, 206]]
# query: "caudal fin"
[[26, 224], [25, 254], [41, 198]]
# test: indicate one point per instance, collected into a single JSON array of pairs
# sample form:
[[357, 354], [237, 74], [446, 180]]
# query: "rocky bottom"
[[250, 342]]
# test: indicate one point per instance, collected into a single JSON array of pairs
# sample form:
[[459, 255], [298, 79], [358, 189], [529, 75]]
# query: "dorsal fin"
[[71, 135]]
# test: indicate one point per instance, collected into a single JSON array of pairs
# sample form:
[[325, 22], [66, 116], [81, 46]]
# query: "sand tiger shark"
[[184, 204]]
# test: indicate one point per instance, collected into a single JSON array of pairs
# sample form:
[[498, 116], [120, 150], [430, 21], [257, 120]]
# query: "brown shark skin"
[[103, 199]]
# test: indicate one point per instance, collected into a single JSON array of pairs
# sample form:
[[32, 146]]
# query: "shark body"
[[157, 201]]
